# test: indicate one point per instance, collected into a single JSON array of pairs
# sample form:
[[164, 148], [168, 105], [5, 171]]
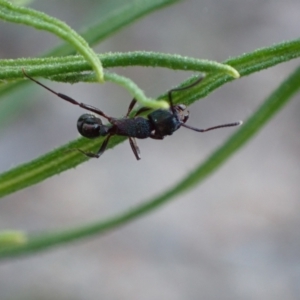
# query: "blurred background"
[[236, 236]]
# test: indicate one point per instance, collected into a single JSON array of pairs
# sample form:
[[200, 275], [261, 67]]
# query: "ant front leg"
[[197, 81]]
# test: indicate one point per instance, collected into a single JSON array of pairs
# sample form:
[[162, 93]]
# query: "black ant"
[[155, 125]]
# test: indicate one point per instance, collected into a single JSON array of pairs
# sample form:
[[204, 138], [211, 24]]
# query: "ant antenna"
[[214, 127], [190, 127]]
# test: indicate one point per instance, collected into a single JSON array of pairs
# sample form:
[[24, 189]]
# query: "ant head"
[[182, 113], [91, 127]]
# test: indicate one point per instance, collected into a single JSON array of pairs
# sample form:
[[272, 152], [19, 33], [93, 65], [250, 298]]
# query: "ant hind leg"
[[69, 99], [91, 154]]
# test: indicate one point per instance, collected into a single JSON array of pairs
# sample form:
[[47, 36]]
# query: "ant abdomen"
[[91, 127]]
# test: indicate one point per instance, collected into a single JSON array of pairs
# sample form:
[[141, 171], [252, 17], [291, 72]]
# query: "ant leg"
[[69, 99], [91, 154], [134, 148], [182, 89], [131, 105], [141, 110], [103, 146], [212, 128]]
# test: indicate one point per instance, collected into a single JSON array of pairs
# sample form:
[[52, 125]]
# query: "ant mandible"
[[155, 125]]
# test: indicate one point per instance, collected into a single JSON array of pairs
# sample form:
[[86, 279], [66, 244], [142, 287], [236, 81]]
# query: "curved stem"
[[39, 20]]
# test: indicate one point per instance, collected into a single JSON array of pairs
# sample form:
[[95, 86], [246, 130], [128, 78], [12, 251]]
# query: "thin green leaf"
[[267, 110], [10, 12], [245, 64], [129, 12], [21, 2], [39, 20], [12, 69], [59, 160], [135, 91]]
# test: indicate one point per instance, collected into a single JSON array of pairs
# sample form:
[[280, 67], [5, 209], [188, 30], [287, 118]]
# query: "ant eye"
[[90, 126]]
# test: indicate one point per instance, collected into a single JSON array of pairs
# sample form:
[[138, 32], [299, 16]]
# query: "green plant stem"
[[267, 110], [105, 27], [126, 14], [70, 66], [12, 69], [39, 20], [246, 64], [135, 91], [59, 160]]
